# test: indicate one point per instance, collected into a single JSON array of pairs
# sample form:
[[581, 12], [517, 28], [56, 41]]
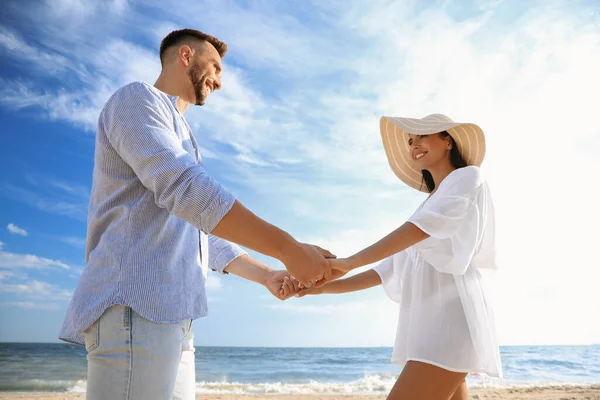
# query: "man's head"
[[197, 56]]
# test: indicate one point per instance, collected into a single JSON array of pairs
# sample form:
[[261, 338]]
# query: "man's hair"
[[179, 36]]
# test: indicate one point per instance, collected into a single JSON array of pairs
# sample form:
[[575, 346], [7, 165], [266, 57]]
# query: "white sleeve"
[[445, 212], [385, 269], [452, 217], [391, 272]]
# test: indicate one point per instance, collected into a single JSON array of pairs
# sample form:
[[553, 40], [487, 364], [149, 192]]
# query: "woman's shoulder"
[[472, 172], [465, 179]]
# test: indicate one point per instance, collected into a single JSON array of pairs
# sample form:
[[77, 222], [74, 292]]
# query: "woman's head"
[[434, 151], [437, 145]]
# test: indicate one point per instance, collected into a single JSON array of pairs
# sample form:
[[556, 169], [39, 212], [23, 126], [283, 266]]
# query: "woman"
[[434, 264]]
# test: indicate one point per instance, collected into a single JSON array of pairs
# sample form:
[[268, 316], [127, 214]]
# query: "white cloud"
[[246, 158], [206, 153], [36, 289], [6, 274], [15, 230], [99, 68], [1, 245], [14, 43], [29, 293], [265, 36], [69, 188], [14, 260]]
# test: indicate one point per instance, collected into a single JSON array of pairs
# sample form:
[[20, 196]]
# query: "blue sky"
[[294, 134]]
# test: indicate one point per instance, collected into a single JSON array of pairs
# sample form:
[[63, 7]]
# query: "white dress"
[[446, 318]]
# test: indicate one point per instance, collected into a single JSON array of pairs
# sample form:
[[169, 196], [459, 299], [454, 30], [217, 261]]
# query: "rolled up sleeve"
[[222, 253], [140, 127]]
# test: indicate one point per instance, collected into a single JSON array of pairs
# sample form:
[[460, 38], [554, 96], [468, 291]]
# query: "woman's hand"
[[310, 290], [282, 285]]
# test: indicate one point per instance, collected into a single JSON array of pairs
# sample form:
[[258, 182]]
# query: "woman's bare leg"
[[462, 393], [426, 382]]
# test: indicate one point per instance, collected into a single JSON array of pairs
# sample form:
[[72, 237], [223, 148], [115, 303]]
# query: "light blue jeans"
[[131, 358]]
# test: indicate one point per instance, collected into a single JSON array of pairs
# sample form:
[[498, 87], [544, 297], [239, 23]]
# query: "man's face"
[[205, 73]]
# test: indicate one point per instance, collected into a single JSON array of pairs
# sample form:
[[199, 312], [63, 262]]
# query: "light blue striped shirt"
[[151, 209]]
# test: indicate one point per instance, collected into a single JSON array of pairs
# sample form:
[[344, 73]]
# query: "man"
[[157, 221]]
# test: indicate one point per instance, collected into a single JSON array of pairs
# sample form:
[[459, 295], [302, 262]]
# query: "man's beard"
[[198, 83]]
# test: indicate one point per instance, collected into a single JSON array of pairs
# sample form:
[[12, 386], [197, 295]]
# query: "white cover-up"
[[446, 318]]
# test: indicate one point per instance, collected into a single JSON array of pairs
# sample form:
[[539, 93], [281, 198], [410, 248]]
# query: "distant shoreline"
[[526, 393]]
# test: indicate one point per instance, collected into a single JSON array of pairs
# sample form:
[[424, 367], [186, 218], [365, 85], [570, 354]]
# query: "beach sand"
[[537, 393]]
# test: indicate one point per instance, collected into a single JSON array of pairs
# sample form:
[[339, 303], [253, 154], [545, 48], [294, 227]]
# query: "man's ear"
[[185, 54]]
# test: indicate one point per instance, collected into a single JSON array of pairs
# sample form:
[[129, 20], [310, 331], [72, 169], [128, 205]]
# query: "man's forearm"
[[305, 262], [243, 227], [247, 267]]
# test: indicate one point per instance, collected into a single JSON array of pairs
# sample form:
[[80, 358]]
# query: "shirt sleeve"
[[444, 213], [452, 219], [221, 253], [139, 126], [391, 272]]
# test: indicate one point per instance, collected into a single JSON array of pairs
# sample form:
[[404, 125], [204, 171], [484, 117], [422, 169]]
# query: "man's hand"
[[307, 263], [342, 264], [335, 273]]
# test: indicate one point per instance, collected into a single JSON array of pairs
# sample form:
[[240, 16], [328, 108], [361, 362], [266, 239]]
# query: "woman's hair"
[[455, 158]]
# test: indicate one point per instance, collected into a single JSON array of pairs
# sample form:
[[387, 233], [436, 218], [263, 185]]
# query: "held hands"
[[344, 265], [283, 285], [308, 264], [339, 268]]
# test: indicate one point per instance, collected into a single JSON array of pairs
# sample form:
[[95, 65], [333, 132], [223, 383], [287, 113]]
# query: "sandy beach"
[[537, 393]]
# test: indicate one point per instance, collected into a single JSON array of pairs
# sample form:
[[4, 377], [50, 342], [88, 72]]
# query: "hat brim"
[[469, 139]]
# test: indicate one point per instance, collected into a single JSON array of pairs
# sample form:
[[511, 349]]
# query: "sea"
[[58, 367]]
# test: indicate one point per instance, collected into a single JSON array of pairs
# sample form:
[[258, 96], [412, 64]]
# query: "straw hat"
[[469, 139]]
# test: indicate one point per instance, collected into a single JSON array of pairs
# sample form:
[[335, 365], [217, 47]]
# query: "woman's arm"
[[247, 267], [402, 238], [279, 283], [362, 281]]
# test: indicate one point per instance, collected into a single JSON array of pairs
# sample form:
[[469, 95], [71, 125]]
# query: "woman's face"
[[429, 150]]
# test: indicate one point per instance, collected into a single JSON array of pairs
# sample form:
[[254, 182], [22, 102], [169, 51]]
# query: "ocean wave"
[[370, 384], [42, 385], [373, 383]]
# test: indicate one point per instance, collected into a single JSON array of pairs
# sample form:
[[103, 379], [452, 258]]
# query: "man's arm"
[[305, 262], [139, 126]]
